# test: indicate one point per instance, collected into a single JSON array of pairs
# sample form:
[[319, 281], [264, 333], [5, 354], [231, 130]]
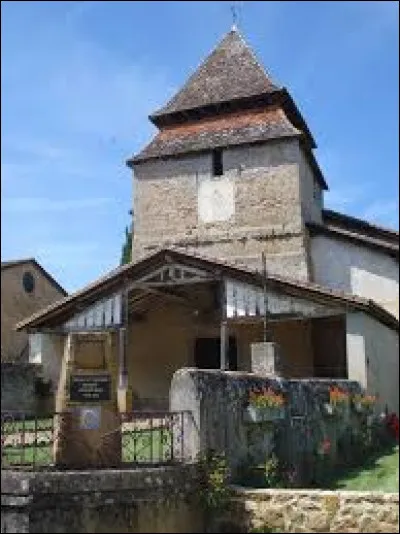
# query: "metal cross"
[[234, 11]]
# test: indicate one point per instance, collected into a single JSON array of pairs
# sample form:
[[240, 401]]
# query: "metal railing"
[[139, 438]]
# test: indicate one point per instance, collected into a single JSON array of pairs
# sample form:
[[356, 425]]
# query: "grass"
[[27, 425], [380, 473]]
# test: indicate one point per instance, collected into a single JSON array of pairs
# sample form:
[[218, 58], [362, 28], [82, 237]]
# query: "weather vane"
[[234, 10]]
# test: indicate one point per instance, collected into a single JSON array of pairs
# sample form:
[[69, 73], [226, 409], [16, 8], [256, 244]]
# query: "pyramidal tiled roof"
[[230, 72]]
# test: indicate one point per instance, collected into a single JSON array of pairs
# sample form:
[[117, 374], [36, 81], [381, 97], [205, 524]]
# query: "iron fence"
[[137, 438]]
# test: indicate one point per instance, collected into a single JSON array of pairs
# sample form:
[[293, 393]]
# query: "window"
[[217, 166], [28, 282]]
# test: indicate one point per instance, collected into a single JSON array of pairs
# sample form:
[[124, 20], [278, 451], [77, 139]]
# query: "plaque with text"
[[90, 388], [89, 418]]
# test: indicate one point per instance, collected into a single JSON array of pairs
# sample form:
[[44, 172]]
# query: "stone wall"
[[259, 207], [23, 389], [311, 192], [313, 511], [18, 387], [140, 500], [218, 401]]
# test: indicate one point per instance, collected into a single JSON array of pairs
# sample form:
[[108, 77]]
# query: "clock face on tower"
[[215, 200]]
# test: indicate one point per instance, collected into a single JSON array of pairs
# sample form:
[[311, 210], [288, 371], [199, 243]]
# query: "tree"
[[126, 256]]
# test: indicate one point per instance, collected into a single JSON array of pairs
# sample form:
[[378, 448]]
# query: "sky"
[[79, 79]]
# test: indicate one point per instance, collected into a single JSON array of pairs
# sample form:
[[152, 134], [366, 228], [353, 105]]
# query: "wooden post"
[[223, 329], [122, 358], [266, 333], [124, 392]]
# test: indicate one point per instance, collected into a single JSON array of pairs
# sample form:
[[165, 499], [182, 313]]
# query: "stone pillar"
[[266, 359], [184, 398], [355, 349]]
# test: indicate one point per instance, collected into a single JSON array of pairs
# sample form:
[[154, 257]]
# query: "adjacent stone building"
[[231, 176], [25, 288]]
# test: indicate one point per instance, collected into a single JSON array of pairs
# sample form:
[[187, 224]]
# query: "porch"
[[191, 313]]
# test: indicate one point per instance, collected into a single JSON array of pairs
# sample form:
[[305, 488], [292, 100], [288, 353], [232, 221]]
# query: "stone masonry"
[[136, 500], [313, 511], [267, 215]]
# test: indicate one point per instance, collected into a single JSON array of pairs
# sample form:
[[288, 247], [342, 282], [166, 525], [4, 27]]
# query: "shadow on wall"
[[24, 390]]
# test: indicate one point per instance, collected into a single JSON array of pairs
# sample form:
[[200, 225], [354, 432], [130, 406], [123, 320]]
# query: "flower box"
[[364, 404], [361, 408], [255, 414]]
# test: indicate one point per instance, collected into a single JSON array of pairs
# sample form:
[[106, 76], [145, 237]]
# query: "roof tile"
[[230, 72], [220, 131]]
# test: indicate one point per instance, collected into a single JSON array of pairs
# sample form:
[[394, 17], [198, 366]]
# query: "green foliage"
[[215, 492], [126, 256], [265, 527], [272, 472]]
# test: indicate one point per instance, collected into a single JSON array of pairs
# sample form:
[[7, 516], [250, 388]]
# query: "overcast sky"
[[78, 80]]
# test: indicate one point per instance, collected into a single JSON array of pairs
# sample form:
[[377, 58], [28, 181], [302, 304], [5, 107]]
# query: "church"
[[232, 246]]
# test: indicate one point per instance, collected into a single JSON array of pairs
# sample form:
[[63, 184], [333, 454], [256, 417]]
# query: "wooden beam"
[[169, 295], [223, 327]]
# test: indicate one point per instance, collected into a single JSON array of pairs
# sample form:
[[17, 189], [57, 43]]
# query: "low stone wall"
[[313, 511], [217, 401], [162, 499]]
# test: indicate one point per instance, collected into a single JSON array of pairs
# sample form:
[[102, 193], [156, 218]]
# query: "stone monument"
[[87, 422]]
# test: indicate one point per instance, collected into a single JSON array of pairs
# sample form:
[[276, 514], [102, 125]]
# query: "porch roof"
[[122, 277]]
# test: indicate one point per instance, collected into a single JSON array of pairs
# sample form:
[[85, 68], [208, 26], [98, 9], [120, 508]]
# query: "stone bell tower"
[[230, 173]]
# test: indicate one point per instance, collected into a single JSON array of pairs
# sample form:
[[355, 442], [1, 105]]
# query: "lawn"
[[379, 474]]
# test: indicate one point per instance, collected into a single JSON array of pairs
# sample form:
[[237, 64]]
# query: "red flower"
[[392, 424], [326, 445]]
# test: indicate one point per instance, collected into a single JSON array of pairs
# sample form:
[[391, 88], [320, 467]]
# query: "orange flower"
[[266, 398], [338, 396]]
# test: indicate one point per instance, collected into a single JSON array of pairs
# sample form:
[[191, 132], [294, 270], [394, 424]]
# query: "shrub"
[[215, 476]]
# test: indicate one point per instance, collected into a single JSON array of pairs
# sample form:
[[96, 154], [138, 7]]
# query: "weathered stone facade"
[[18, 387], [313, 511], [218, 403], [267, 209], [141, 500]]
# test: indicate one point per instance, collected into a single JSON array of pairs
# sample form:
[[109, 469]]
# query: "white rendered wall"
[[373, 358], [356, 269]]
